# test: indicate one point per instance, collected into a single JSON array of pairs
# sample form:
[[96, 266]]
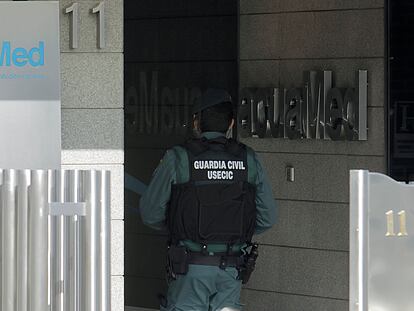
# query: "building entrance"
[[173, 51]]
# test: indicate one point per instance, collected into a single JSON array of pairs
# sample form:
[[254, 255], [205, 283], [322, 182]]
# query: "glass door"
[[401, 89]]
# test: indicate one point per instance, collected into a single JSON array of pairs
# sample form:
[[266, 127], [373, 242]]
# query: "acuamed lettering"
[[219, 170]]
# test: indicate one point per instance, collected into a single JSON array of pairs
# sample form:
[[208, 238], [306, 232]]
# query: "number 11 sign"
[[381, 243]]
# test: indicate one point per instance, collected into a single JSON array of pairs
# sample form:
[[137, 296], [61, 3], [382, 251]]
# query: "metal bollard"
[[74, 251], [22, 238], [91, 242], [8, 196], [55, 235], [38, 248], [105, 235]]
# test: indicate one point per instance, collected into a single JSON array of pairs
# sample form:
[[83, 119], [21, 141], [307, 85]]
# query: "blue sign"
[[30, 108], [20, 56]]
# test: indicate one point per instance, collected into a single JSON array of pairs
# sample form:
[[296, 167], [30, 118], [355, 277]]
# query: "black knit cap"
[[210, 98]]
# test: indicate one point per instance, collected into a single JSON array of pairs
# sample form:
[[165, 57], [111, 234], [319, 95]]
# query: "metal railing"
[[54, 240]]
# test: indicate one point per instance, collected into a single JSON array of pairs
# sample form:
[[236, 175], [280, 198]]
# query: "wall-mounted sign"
[[315, 111], [29, 85]]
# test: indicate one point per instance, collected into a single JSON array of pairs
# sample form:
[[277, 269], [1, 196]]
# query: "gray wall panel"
[[260, 37], [328, 34], [117, 247], [374, 164], [267, 6], [309, 224], [117, 293], [318, 177], [92, 156], [335, 176], [92, 80], [92, 129], [271, 301], [275, 163], [333, 34], [301, 271], [262, 73]]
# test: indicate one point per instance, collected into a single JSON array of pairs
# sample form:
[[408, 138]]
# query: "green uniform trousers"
[[204, 288]]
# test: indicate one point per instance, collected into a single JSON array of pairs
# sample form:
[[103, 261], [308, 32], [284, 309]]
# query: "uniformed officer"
[[212, 195]]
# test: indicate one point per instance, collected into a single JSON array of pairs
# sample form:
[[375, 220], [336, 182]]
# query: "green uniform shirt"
[[154, 202]]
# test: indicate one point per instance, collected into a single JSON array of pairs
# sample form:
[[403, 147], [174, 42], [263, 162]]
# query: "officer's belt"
[[221, 260], [211, 248]]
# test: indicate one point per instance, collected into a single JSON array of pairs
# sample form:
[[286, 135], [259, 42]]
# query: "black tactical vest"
[[217, 204]]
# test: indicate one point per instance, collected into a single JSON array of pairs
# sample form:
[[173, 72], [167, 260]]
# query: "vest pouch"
[[212, 213], [178, 259], [221, 212]]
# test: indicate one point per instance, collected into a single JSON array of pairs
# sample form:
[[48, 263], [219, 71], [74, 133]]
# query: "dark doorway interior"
[[401, 89], [173, 51]]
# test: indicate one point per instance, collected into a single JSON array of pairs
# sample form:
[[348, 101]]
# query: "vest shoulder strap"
[[234, 147], [196, 146], [251, 164]]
